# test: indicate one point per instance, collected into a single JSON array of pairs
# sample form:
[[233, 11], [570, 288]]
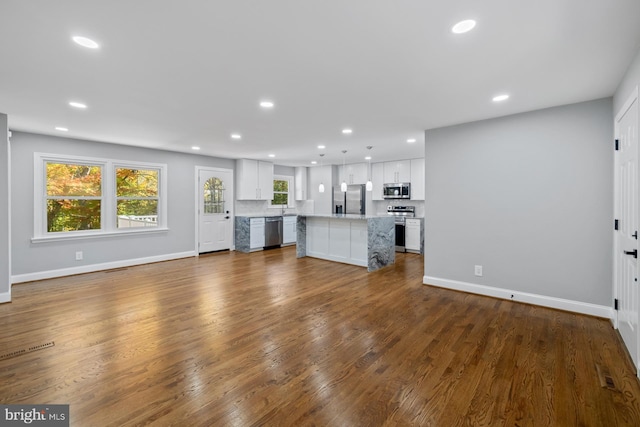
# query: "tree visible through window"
[[73, 196], [280, 192], [137, 197], [85, 196], [213, 196]]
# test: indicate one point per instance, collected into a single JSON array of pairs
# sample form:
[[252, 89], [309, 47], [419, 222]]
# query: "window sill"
[[119, 233]]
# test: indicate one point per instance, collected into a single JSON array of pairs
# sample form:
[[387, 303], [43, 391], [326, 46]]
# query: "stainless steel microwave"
[[398, 190]]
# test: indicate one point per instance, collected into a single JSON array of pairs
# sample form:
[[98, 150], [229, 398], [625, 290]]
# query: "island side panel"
[[421, 236], [381, 242], [301, 236], [242, 232]]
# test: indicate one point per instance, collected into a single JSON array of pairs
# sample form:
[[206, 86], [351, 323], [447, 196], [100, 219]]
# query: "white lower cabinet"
[[412, 233], [289, 233], [256, 233]]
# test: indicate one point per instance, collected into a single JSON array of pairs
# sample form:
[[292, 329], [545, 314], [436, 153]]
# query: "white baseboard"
[[5, 297], [41, 275], [535, 299]]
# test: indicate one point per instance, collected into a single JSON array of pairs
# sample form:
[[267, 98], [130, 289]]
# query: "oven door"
[[400, 245]]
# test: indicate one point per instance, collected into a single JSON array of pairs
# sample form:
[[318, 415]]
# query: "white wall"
[[34, 260], [5, 225], [528, 197], [324, 175]]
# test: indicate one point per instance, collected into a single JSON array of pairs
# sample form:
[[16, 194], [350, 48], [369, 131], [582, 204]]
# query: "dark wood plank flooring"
[[236, 339]]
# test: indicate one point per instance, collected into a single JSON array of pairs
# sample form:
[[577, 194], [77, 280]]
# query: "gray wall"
[[5, 243], [31, 257], [283, 170], [627, 85], [527, 196]]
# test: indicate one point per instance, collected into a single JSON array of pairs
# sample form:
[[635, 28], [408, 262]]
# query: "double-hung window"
[[80, 197], [282, 186], [73, 196], [137, 197]]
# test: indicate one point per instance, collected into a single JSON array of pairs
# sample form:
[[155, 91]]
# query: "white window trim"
[[290, 193], [108, 216]]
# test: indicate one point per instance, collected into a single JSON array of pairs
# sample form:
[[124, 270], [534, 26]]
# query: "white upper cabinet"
[[354, 173], [265, 181], [417, 179], [399, 171], [377, 179], [301, 183], [254, 180]]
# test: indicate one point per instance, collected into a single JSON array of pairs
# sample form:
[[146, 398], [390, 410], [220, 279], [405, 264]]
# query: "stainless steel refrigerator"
[[350, 202]]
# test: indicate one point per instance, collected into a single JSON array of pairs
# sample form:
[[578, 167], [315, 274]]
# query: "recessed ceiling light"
[[266, 104], [463, 26], [411, 140], [272, 155], [85, 42], [195, 147], [499, 98], [368, 158], [236, 136], [313, 162], [80, 105], [321, 147], [62, 129], [347, 131]]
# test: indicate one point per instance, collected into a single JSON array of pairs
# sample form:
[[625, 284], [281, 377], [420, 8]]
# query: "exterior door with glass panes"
[[215, 211]]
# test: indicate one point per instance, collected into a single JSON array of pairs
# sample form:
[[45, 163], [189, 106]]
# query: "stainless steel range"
[[400, 213]]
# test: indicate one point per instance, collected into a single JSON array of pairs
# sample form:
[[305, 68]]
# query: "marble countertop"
[[344, 216], [265, 215]]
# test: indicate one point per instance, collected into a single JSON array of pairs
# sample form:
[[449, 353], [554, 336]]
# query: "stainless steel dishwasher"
[[272, 231]]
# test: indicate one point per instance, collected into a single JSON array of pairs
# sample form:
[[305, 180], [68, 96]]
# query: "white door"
[[626, 237], [215, 209]]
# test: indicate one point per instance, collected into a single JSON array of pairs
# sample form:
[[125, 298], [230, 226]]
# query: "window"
[[79, 197], [73, 197], [213, 193], [281, 191], [137, 197]]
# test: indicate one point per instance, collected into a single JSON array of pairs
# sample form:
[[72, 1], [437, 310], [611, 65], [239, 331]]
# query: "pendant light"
[[369, 183], [321, 186], [343, 186]]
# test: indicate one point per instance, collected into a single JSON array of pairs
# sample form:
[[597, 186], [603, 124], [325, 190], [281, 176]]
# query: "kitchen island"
[[364, 240]]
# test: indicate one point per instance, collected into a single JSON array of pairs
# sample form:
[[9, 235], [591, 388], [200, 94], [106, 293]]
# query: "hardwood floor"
[[236, 339]]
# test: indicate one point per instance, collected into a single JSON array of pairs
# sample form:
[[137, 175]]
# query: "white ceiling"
[[172, 74]]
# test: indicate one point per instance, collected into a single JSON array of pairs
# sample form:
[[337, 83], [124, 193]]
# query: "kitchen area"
[[360, 213]]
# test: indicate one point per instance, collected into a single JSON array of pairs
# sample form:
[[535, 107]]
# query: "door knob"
[[633, 252], [226, 217]]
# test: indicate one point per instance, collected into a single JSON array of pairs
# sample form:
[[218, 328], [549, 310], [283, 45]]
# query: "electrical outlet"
[[478, 270], [79, 256]]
